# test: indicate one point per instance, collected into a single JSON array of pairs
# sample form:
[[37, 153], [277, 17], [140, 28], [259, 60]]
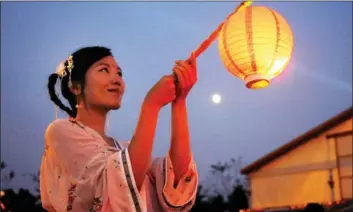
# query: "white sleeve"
[[180, 198]]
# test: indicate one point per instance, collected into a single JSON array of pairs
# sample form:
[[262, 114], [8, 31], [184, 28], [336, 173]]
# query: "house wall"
[[301, 175]]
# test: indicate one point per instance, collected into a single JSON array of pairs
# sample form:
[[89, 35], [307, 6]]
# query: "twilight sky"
[[146, 39]]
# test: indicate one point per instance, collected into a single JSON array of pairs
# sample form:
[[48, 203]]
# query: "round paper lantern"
[[255, 45]]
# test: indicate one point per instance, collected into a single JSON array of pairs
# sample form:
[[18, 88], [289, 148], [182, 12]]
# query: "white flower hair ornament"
[[61, 72]]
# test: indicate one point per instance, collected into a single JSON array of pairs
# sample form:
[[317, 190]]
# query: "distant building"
[[314, 167]]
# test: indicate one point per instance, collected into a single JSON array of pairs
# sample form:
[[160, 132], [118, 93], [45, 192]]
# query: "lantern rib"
[[285, 48], [263, 43], [278, 35], [225, 46], [249, 37]]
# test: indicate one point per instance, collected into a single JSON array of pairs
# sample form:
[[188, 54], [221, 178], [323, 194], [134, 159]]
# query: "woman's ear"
[[76, 89]]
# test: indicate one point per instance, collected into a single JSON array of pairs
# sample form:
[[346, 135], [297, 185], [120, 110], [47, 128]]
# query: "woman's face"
[[104, 85]]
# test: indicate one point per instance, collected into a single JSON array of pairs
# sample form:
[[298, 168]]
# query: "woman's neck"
[[93, 119]]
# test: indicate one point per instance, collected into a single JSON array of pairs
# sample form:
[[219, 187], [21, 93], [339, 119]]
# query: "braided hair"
[[83, 59]]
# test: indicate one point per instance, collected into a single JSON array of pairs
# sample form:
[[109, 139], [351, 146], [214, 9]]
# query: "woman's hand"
[[186, 72], [162, 93]]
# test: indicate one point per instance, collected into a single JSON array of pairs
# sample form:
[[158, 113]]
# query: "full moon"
[[216, 98]]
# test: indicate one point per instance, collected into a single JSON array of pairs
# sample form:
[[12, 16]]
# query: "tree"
[[6, 178], [203, 203], [226, 176], [228, 189], [238, 199], [23, 200], [35, 180]]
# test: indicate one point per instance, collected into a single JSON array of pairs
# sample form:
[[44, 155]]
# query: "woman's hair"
[[83, 59]]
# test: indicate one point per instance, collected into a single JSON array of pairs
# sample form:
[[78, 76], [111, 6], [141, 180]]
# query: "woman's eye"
[[104, 70], [120, 73]]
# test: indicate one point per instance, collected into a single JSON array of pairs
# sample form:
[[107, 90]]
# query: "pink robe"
[[81, 172]]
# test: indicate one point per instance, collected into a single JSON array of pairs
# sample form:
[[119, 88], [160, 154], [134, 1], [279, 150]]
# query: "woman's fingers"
[[188, 71], [181, 78]]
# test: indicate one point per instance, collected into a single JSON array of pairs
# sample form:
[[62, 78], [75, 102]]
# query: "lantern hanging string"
[[206, 43]]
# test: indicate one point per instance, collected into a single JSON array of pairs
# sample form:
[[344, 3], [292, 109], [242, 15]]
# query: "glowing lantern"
[[255, 45]]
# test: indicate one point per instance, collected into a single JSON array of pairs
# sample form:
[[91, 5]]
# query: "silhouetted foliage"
[[238, 199], [35, 179], [20, 201], [228, 189], [6, 177], [2, 165], [204, 203], [225, 175], [314, 207]]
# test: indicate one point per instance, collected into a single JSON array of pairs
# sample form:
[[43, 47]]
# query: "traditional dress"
[[81, 172]]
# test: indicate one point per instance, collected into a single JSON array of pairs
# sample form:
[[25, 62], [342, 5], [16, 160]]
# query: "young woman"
[[83, 169]]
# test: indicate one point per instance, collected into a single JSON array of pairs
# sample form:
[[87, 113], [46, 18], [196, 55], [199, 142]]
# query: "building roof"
[[302, 139]]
